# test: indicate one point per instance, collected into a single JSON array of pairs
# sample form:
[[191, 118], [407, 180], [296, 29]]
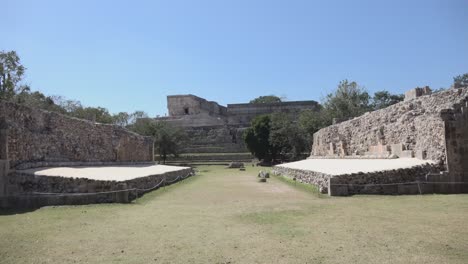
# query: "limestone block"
[[406, 154], [122, 196], [417, 92], [4, 169], [331, 150], [3, 144], [389, 189], [421, 154], [337, 189], [397, 149], [408, 189]]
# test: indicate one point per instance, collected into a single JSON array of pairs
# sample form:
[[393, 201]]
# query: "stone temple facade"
[[213, 128]]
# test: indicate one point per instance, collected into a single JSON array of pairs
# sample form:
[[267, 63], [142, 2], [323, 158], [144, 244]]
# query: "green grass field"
[[227, 216]]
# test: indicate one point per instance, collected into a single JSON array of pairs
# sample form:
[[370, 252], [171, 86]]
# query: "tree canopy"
[[276, 136], [287, 137], [384, 99], [11, 75], [257, 137], [311, 121], [460, 81], [266, 99], [167, 138], [347, 101]]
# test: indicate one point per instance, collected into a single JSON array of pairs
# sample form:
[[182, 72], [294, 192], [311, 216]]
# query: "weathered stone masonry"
[[213, 128], [425, 126], [35, 138], [456, 138], [90, 191], [379, 182], [417, 125], [35, 135]]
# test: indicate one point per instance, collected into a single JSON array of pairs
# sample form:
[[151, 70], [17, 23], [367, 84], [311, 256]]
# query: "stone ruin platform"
[[119, 173], [342, 176], [36, 187]]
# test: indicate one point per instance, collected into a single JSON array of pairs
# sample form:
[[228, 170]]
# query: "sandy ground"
[[346, 166], [113, 173]]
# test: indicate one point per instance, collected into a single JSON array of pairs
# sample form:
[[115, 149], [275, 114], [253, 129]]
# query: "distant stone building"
[[213, 128]]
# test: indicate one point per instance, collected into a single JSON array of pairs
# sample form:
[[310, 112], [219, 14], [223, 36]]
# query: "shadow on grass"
[[147, 197], [15, 211], [300, 186]]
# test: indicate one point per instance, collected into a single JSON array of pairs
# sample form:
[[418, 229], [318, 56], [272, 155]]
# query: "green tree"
[[349, 100], [383, 99], [69, 106], [121, 119], [266, 99], [460, 81], [287, 138], [96, 114], [168, 139], [311, 121], [38, 100], [11, 74], [257, 137]]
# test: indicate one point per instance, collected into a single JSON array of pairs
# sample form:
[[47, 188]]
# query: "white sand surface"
[[346, 166], [105, 173]]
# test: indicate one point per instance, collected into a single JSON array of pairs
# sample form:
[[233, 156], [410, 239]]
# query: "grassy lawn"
[[227, 216]]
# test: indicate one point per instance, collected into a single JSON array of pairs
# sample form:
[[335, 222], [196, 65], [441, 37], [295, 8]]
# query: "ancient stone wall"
[[417, 92], [316, 178], [242, 114], [4, 170], [31, 191], [456, 131], [197, 120], [212, 128], [215, 139], [400, 181], [179, 105], [35, 135], [414, 126]]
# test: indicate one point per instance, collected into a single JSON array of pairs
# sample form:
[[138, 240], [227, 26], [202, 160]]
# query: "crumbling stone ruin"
[[213, 128], [426, 126], [413, 128], [36, 136], [32, 138]]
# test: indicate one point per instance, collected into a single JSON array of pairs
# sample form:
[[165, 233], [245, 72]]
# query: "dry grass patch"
[[227, 216]]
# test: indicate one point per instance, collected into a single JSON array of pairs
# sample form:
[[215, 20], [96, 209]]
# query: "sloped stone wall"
[[35, 135], [399, 181], [32, 191], [416, 123], [319, 179]]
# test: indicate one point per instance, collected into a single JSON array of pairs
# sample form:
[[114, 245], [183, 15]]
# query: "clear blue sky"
[[128, 55]]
